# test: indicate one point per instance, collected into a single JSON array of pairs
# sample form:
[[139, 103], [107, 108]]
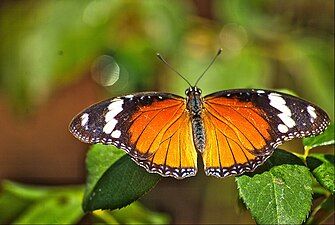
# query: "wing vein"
[[135, 143], [166, 154], [215, 103], [166, 128], [250, 123], [241, 147], [230, 126], [179, 148], [231, 151], [265, 117], [217, 144], [175, 131], [149, 110]]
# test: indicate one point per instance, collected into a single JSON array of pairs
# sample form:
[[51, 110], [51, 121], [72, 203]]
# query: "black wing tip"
[[79, 132]]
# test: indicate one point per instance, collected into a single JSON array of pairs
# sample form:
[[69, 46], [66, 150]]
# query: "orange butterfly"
[[233, 130]]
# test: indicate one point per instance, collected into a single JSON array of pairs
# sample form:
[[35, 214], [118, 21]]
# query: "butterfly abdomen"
[[195, 108], [199, 136]]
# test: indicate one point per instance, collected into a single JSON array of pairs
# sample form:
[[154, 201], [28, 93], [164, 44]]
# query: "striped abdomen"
[[198, 133]]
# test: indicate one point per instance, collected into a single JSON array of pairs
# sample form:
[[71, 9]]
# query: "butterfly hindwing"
[[228, 151], [153, 128], [244, 126], [176, 155]]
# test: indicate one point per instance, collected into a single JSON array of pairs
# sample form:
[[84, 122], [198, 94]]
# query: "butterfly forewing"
[[153, 128], [244, 126]]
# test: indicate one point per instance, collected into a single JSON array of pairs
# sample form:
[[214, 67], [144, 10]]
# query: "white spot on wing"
[[114, 108], [84, 119], [311, 111], [288, 121], [109, 127], [116, 134], [282, 128], [260, 91], [279, 103], [129, 96]]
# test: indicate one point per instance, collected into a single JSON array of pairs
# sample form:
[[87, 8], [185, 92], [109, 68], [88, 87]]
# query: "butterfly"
[[234, 131]]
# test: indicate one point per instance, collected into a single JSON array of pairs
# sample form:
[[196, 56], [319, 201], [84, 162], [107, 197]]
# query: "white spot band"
[[116, 134], [84, 119], [279, 103], [114, 109], [282, 128], [311, 111]]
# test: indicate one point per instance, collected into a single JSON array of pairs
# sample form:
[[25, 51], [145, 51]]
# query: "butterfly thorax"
[[195, 107]]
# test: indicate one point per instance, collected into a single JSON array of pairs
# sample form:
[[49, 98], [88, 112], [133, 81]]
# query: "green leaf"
[[136, 213], [117, 182], [30, 204], [11, 206], [15, 198], [282, 195], [326, 138], [325, 175], [99, 158], [322, 167], [58, 207], [316, 159], [27, 192]]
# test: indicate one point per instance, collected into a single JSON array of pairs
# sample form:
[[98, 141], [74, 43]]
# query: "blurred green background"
[[56, 57]]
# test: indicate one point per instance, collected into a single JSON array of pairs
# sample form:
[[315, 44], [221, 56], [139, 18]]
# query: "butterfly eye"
[[197, 90], [187, 91]]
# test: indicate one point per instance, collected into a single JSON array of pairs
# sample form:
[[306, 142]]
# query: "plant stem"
[[306, 152]]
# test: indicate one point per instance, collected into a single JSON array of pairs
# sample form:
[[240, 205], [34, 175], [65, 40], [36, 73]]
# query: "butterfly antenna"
[[163, 60], [213, 60]]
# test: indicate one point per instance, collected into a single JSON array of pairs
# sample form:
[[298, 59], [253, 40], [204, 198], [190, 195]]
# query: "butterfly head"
[[194, 102], [193, 91]]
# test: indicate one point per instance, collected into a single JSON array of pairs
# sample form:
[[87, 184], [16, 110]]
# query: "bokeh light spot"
[[233, 37], [97, 12], [105, 71]]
